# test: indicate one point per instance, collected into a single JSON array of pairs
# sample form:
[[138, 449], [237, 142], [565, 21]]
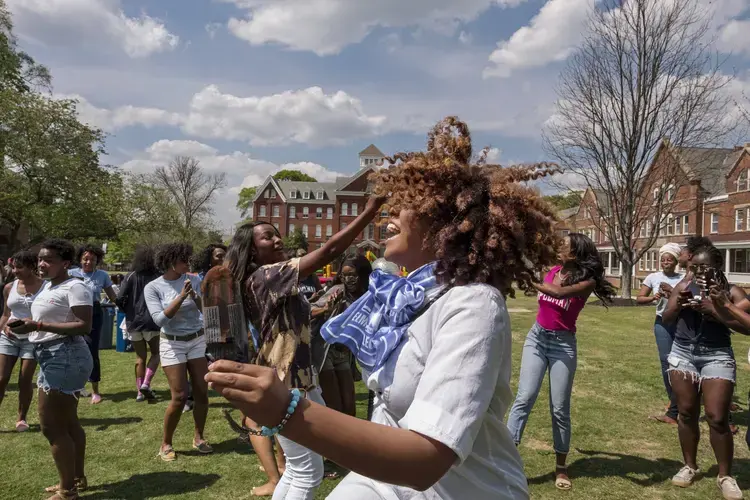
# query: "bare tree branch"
[[644, 82]]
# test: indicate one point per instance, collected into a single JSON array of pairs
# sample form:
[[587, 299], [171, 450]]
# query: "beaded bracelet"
[[266, 432]]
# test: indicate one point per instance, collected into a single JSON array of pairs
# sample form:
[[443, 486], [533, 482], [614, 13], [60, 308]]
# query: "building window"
[[641, 266], [739, 260], [670, 192], [344, 209], [305, 212], [291, 228], [685, 224], [747, 218], [272, 194], [304, 230], [383, 232], [276, 225], [319, 213], [343, 225], [742, 181], [275, 211], [329, 213], [292, 212], [384, 213], [370, 231], [648, 229], [262, 211], [739, 220], [678, 225], [306, 195], [670, 225], [318, 231], [329, 230], [714, 223], [657, 193], [355, 209], [293, 194], [319, 195]]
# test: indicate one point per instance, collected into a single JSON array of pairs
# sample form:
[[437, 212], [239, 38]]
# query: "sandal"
[[81, 483], [167, 454], [65, 495], [562, 481]]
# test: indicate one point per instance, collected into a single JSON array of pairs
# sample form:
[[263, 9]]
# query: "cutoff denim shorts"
[[702, 362], [64, 365], [17, 347]]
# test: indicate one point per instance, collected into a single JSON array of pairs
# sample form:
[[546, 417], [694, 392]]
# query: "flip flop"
[[562, 483]]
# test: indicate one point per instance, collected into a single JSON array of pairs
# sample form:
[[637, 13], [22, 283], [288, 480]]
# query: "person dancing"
[[702, 363], [61, 316], [174, 302], [141, 330], [661, 284], [18, 297], [441, 363], [89, 257], [551, 343]]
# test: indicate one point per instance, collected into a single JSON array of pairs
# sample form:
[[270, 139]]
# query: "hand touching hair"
[[484, 225]]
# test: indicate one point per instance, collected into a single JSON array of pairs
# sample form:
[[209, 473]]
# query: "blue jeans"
[[664, 335], [556, 352], [64, 365]]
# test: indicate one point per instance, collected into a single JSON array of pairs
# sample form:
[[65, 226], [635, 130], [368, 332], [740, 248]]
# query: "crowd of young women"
[[434, 346]]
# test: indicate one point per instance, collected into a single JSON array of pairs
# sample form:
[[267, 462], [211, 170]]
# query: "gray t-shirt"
[[160, 293], [654, 280]]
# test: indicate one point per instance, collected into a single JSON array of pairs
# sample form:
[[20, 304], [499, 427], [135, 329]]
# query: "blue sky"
[[252, 86]]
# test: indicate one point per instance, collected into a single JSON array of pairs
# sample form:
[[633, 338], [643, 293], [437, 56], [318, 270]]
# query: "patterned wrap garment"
[[282, 315]]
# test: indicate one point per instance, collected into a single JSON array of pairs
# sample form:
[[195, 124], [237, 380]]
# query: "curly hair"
[[484, 224], [202, 260], [63, 248], [171, 253], [144, 260], [93, 249], [25, 258]]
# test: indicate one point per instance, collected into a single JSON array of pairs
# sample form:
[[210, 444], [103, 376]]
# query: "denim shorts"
[[64, 365], [702, 362], [18, 348]]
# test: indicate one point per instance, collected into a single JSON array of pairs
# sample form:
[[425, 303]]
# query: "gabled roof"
[[262, 188], [710, 166], [371, 150], [343, 182], [329, 190], [567, 213]]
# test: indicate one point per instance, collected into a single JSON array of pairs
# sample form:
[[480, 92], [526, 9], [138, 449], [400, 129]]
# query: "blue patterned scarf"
[[372, 326]]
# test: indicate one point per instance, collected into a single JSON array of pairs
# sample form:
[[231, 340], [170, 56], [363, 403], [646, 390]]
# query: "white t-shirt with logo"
[[53, 304], [654, 280]]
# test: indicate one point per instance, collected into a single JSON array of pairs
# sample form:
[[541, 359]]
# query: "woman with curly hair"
[[18, 297], [551, 342], [89, 257], [142, 332], [60, 317], [174, 302], [469, 232]]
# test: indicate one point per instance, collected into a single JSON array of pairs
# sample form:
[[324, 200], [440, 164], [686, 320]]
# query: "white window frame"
[[305, 212], [685, 224], [742, 180], [273, 194], [739, 219], [291, 228], [670, 192], [262, 211], [670, 225], [319, 195], [305, 195], [345, 209], [714, 221], [318, 231], [305, 230], [641, 263], [293, 194], [678, 225], [329, 213], [329, 230], [292, 212], [319, 212], [355, 210], [276, 211], [276, 225]]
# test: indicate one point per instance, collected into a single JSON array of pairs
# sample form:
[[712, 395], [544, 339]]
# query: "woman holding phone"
[[18, 297], [702, 363], [174, 302]]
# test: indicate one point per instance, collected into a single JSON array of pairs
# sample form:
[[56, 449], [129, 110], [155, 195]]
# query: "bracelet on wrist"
[[269, 432]]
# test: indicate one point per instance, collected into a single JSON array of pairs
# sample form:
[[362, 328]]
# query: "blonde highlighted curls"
[[483, 224]]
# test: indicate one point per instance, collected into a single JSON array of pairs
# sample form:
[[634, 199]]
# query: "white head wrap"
[[673, 249]]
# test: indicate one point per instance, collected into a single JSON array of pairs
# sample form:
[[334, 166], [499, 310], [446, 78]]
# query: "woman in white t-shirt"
[[656, 288], [18, 296], [436, 345], [61, 316]]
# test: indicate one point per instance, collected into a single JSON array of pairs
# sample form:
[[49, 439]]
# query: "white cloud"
[[110, 120], [241, 168], [465, 38], [493, 156], [306, 116], [735, 37], [90, 22], [212, 28], [327, 26], [550, 36]]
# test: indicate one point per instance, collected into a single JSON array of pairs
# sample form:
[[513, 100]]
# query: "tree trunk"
[[626, 281]]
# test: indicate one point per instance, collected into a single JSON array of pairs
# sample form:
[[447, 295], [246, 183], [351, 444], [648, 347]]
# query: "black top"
[[309, 286], [695, 328], [131, 300]]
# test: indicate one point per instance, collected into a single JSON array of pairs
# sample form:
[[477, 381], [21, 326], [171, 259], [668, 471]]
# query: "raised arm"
[[340, 241], [582, 289], [728, 308], [162, 316]]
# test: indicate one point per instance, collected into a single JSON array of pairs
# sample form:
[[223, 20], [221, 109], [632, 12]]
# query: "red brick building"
[[320, 209], [713, 200]]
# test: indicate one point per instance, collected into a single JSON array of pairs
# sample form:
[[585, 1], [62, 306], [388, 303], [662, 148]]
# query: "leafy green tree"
[[564, 201], [245, 200], [295, 241], [293, 175]]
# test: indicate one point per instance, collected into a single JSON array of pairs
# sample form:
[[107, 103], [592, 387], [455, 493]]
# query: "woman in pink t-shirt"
[[551, 343]]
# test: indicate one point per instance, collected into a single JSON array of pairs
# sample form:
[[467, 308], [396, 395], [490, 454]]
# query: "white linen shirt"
[[449, 380]]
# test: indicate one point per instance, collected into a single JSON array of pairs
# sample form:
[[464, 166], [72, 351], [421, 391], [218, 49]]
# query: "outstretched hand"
[[254, 390], [719, 297]]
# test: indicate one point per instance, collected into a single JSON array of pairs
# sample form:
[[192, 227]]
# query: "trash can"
[[122, 342], [108, 323]]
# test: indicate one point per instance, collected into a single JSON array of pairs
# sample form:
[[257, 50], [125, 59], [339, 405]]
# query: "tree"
[[564, 201], [18, 70], [644, 73], [190, 187], [295, 241], [245, 200], [293, 175]]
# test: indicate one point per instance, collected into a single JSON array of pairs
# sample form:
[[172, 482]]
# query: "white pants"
[[304, 468]]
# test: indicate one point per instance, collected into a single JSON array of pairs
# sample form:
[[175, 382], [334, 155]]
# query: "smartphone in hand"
[[15, 323]]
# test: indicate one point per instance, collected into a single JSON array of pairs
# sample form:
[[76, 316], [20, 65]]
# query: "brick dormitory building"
[[320, 209], [714, 202]]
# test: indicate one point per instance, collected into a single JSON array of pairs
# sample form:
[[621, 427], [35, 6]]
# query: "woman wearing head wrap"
[[656, 288]]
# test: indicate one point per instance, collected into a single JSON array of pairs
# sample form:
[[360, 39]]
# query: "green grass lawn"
[[617, 452]]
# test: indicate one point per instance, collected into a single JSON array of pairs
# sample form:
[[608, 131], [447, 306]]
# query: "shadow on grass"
[[740, 469], [234, 445], [32, 428], [125, 396], [153, 485], [102, 424], [602, 464]]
